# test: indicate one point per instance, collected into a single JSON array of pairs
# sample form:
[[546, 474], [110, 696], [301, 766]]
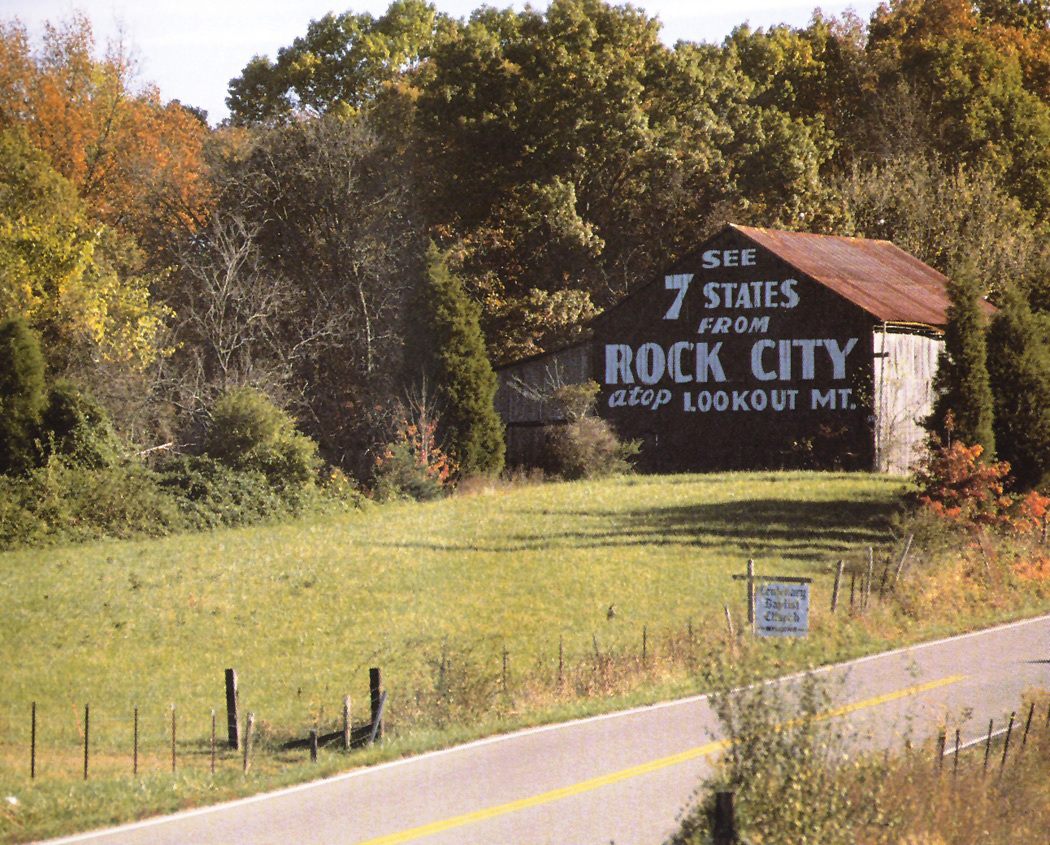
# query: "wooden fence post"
[[561, 660], [904, 558], [313, 745], [988, 744], [232, 715], [375, 689], [852, 590], [346, 723], [248, 728], [377, 723], [213, 740], [751, 594], [1006, 744], [835, 589], [942, 741], [135, 744], [32, 743], [871, 576], [645, 643], [87, 737], [725, 820], [173, 739], [955, 763], [1027, 725]]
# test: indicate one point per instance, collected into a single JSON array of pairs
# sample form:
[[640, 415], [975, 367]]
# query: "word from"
[[781, 610], [727, 325]]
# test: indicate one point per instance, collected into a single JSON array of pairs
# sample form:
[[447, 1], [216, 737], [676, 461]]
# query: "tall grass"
[[801, 778]]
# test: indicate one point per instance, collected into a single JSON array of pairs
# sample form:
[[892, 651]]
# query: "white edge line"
[[479, 743]]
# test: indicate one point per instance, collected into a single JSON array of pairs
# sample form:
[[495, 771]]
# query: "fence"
[[239, 739], [171, 737]]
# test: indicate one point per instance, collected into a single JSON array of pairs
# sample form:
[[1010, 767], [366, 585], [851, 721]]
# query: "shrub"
[[585, 446], [413, 465], [62, 501], [954, 483], [22, 395], [210, 494], [78, 428], [249, 433], [791, 769]]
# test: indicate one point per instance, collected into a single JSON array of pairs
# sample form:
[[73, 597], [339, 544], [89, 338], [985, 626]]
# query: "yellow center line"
[[633, 772]]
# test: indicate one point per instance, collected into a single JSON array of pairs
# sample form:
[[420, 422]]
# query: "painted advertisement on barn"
[[736, 359]]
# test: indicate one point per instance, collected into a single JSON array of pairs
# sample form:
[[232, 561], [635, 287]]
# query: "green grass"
[[302, 610]]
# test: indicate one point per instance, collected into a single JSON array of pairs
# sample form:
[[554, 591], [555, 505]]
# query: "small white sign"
[[781, 609]]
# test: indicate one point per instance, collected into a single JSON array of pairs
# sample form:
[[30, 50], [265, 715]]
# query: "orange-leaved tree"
[[136, 162]]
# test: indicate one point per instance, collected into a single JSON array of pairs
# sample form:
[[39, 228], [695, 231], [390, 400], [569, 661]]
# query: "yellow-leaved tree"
[[64, 273]]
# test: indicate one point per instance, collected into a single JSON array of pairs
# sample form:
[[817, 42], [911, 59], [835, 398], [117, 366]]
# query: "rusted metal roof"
[[883, 279]]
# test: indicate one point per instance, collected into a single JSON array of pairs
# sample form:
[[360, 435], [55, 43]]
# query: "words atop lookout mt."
[[650, 374]]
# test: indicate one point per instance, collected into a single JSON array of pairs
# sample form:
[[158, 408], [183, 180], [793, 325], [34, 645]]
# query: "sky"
[[192, 48]]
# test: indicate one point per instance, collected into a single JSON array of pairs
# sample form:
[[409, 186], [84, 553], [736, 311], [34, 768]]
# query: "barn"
[[760, 349]]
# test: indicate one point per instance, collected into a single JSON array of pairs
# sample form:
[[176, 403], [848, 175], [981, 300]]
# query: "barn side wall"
[[903, 396], [522, 399]]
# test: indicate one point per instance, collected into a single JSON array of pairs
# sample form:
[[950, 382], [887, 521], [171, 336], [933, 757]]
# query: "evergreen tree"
[[22, 395], [1019, 365], [456, 362], [962, 385]]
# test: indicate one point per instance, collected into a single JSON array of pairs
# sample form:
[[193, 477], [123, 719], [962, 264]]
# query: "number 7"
[[679, 283]]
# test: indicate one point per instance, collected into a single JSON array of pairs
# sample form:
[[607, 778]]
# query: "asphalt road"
[[619, 778]]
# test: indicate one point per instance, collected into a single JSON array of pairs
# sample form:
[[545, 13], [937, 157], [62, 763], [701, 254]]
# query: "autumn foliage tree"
[[137, 163], [62, 273]]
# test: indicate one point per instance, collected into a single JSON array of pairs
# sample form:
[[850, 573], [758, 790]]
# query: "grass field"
[[302, 610]]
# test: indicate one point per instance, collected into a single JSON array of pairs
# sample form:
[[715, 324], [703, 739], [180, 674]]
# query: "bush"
[[413, 466], [22, 396], [956, 484], [791, 768], [249, 433], [210, 494], [78, 428], [62, 501], [585, 446]]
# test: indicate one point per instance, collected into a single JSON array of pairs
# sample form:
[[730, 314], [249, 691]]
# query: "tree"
[[240, 322], [456, 362], [950, 218], [976, 106], [64, 275], [573, 155], [963, 408], [137, 163], [338, 67], [1019, 366], [327, 250], [22, 395]]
